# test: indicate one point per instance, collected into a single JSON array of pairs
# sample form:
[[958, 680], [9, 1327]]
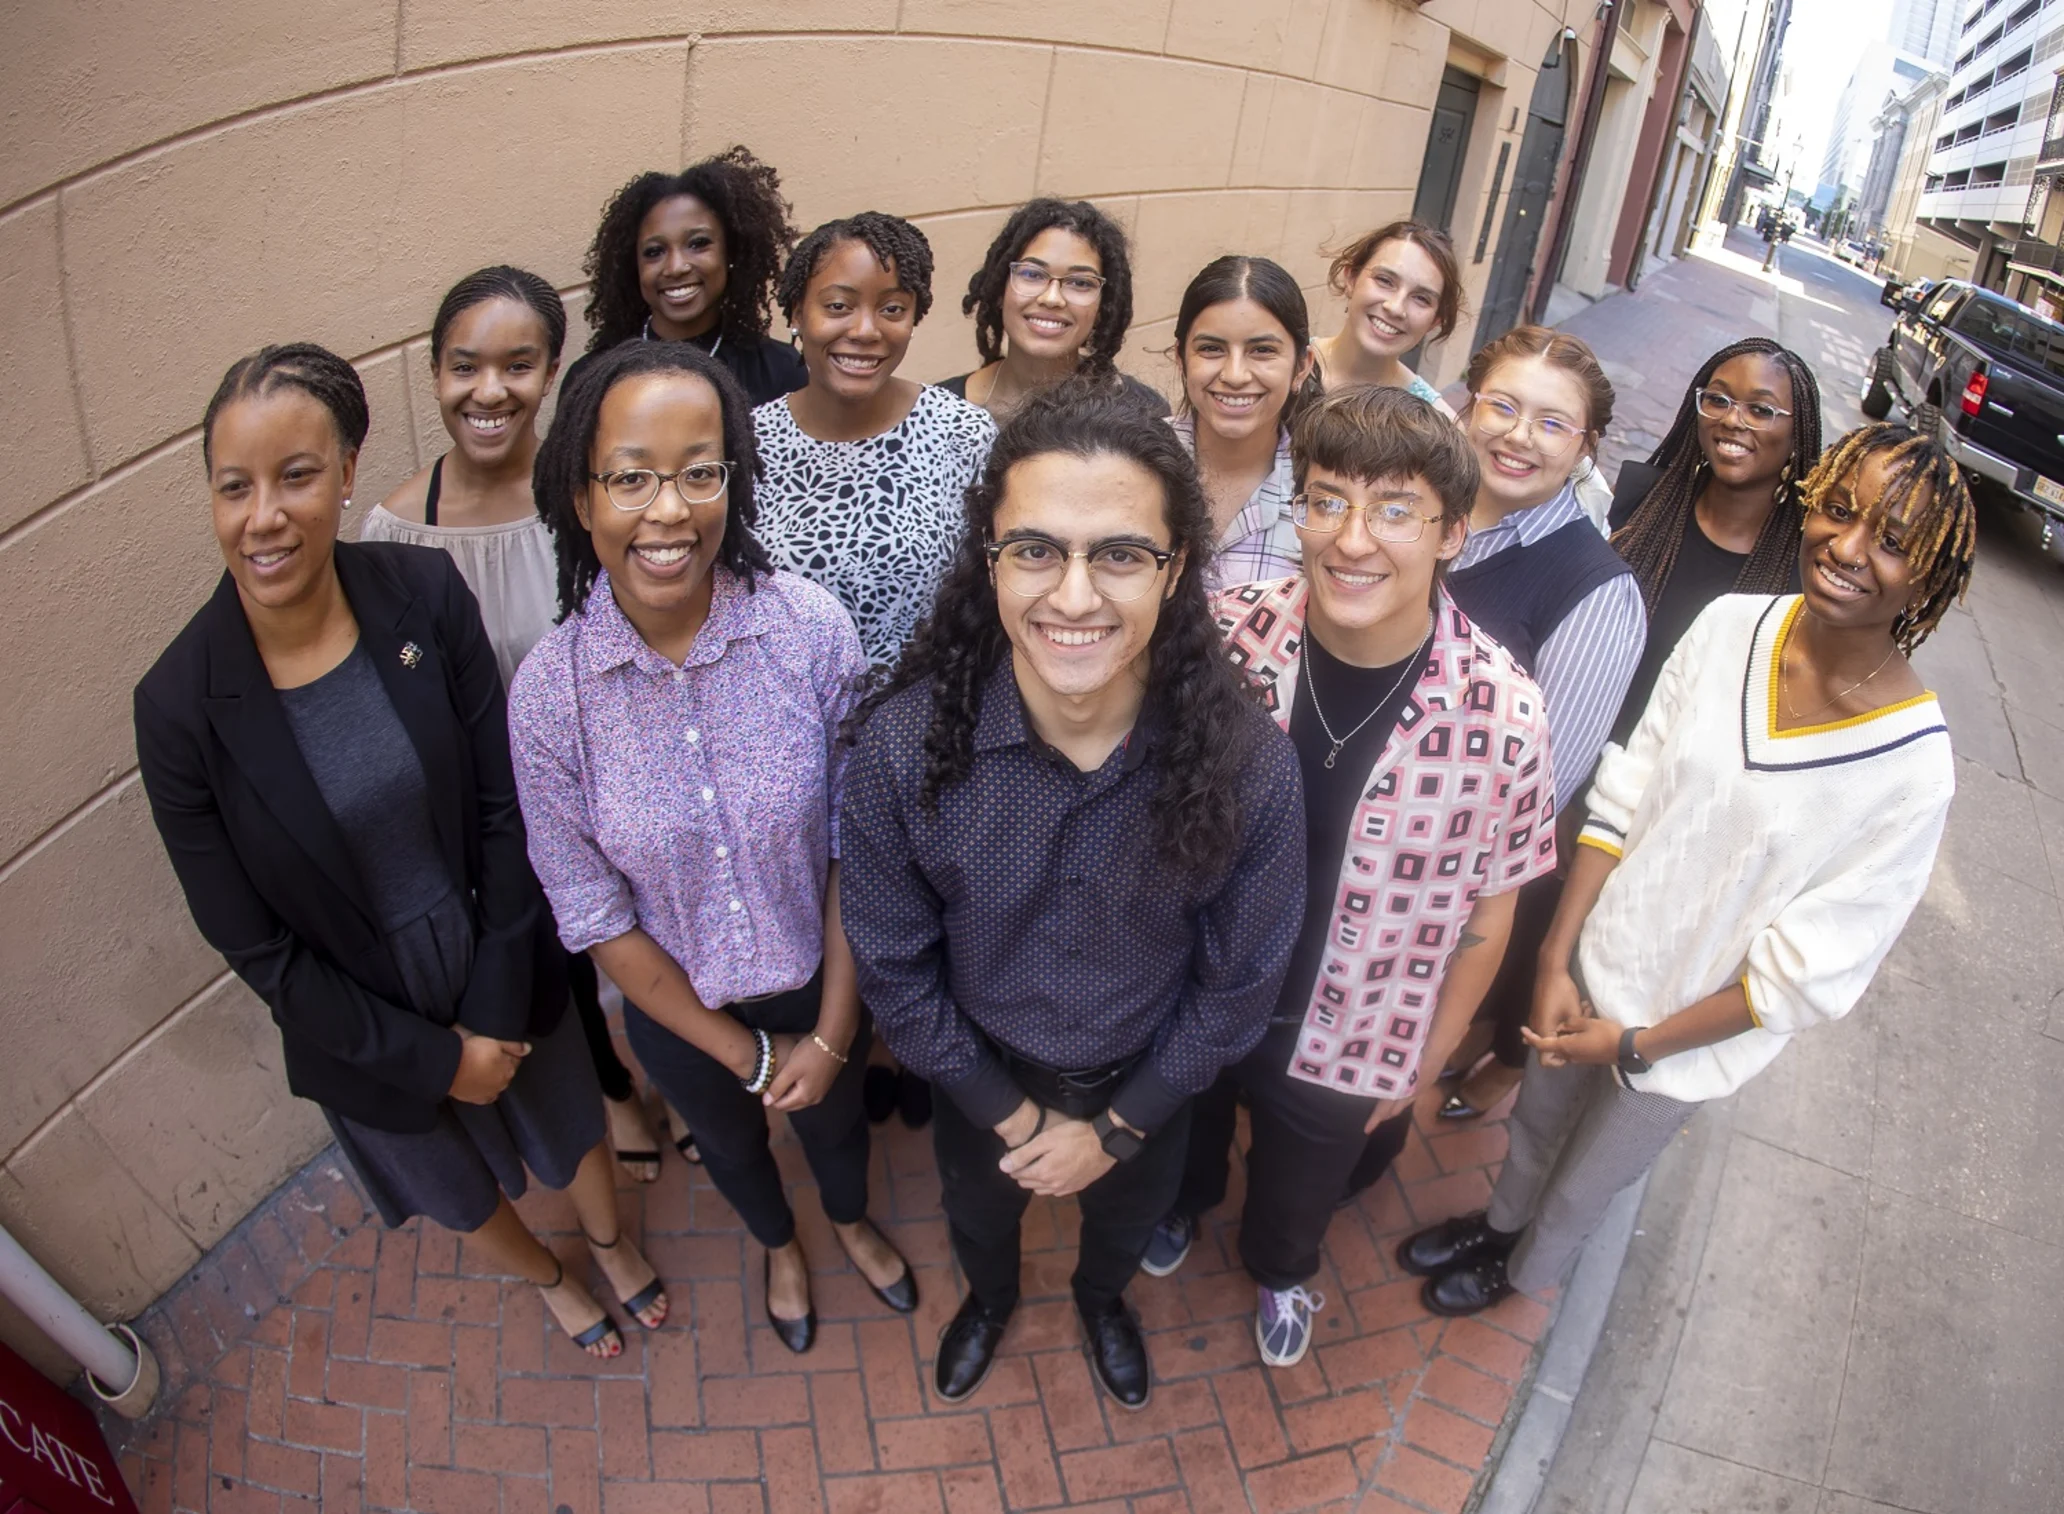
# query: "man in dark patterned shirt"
[[1072, 861]]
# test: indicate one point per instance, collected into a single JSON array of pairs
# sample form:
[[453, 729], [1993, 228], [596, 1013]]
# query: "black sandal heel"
[[652, 1293]]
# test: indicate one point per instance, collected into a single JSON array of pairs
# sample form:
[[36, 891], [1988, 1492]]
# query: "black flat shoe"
[[914, 1100], [1464, 1241], [799, 1335], [901, 1295], [967, 1349], [878, 1093], [1468, 1290], [1118, 1355]]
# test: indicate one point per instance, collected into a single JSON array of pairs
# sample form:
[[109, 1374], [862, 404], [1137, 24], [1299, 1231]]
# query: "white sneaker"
[[1283, 1323]]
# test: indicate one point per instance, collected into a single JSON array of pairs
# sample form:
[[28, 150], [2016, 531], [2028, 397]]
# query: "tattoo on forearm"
[[1469, 938]]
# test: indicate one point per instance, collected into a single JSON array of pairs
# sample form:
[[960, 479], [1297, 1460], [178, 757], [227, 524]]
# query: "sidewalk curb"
[[1526, 1447]]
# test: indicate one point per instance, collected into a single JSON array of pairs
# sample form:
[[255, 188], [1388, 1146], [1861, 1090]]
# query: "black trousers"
[[984, 1206], [1307, 1144], [731, 1125], [587, 1002]]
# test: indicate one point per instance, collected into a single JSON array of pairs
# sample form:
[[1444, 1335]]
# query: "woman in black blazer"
[[326, 753]]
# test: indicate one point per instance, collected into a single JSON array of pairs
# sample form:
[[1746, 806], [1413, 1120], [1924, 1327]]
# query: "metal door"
[[1540, 150], [1447, 144]]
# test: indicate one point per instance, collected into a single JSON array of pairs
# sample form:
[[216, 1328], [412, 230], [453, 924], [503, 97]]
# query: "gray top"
[[372, 780]]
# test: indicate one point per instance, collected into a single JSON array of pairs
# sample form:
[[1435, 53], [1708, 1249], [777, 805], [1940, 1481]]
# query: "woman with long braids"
[[326, 752], [677, 754], [1716, 508], [1751, 855], [692, 257], [1052, 300], [864, 470]]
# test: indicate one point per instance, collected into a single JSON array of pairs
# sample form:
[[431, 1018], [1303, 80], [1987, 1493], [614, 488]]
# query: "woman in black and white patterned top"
[[865, 472]]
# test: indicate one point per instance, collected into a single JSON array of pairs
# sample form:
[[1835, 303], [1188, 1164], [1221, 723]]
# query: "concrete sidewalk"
[[1841, 1296]]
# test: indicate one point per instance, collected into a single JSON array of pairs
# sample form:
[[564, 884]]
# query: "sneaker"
[[1283, 1323], [1168, 1246]]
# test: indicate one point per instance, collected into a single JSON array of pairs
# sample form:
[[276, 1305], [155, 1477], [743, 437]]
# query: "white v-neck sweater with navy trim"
[[1786, 861]]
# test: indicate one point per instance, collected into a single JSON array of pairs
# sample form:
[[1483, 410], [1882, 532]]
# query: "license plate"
[[2049, 489]]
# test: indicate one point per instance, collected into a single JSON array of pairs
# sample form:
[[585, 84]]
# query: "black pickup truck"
[[1995, 372]]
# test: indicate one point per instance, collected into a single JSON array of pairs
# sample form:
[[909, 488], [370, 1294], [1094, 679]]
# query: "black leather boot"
[[1463, 1241], [1467, 1290]]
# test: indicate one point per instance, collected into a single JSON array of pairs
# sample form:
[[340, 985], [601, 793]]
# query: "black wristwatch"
[[1119, 1143], [1632, 1062]]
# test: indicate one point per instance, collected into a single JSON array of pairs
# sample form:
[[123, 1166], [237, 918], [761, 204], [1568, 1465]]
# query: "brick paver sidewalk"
[[325, 1361]]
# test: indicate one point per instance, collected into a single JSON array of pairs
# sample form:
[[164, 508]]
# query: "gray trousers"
[[1578, 1137]]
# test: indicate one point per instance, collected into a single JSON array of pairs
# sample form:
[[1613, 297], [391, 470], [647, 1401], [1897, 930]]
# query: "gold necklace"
[[1874, 672]]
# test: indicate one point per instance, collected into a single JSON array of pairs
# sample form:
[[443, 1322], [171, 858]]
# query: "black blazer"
[[265, 867]]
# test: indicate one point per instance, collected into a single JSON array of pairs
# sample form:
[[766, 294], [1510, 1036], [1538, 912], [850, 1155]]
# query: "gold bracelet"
[[825, 1047]]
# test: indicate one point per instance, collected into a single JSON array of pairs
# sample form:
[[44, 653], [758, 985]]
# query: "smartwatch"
[[1119, 1143], [1632, 1062]]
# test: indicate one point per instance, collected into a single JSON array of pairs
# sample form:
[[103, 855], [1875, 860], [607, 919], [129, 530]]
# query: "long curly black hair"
[[987, 287], [746, 196], [898, 247], [1650, 538], [560, 474], [1204, 715]]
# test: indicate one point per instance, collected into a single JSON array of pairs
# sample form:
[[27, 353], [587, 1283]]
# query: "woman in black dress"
[[692, 257], [327, 759]]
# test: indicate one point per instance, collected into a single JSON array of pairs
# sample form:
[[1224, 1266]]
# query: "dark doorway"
[[1447, 144], [1533, 181]]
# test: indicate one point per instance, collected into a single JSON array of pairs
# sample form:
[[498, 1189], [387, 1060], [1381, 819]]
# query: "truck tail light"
[[1974, 393]]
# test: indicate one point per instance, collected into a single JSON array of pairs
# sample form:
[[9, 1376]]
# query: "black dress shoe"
[[1463, 1241], [799, 1335], [1467, 1290], [1118, 1355], [967, 1348]]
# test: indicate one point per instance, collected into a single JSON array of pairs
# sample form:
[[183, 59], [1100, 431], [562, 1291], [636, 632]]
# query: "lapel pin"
[[411, 654]]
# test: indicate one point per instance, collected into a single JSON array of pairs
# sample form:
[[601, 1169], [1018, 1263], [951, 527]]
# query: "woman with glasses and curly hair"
[[1750, 857], [676, 748], [1052, 300]]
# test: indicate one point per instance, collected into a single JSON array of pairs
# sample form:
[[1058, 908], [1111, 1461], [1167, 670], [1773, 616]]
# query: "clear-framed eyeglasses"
[[1390, 520], [1077, 288], [1495, 417], [634, 489], [1120, 571], [1757, 415]]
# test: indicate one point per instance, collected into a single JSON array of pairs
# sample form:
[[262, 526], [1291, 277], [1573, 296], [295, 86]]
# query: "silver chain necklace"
[[714, 347], [1318, 710]]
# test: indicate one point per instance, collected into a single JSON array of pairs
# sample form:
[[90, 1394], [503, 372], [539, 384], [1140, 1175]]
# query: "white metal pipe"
[[61, 1317]]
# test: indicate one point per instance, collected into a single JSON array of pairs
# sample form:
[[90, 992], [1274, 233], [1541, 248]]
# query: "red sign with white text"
[[52, 1457]]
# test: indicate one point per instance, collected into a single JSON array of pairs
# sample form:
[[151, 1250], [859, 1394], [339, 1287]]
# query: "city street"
[[1842, 1292]]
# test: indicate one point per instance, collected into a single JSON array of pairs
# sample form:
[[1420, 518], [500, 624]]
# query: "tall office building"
[[1924, 28]]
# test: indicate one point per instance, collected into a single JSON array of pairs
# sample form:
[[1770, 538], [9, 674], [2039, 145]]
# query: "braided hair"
[[745, 196], [1930, 494], [315, 371], [560, 475], [985, 291], [1269, 285], [1650, 538], [1206, 715], [899, 247], [500, 282]]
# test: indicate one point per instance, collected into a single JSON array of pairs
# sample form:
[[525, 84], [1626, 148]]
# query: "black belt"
[[1078, 1094]]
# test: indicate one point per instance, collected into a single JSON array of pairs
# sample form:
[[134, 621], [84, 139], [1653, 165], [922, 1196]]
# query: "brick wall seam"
[[71, 341], [49, 836]]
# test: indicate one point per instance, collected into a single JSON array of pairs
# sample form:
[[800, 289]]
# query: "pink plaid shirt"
[[1460, 803]]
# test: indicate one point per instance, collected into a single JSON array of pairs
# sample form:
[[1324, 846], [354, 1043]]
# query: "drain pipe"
[[119, 1366]]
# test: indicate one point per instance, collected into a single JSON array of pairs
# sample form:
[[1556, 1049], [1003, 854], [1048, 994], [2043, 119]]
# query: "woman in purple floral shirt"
[[677, 753]]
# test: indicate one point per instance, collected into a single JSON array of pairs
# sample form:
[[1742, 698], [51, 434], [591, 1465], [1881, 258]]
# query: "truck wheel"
[[1877, 399]]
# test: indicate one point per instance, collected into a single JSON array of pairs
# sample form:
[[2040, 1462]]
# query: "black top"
[[1520, 595], [1149, 397], [1346, 693], [270, 875], [765, 369], [1035, 910]]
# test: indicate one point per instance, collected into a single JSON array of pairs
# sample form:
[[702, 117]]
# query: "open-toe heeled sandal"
[[645, 1298], [602, 1333]]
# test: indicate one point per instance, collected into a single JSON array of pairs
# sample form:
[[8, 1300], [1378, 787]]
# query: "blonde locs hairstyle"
[[1930, 494]]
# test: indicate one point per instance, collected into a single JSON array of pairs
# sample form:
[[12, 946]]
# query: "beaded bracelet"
[[763, 1064]]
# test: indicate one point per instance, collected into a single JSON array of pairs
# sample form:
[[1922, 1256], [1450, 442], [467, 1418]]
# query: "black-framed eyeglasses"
[[1077, 287], [1390, 520], [634, 489], [1757, 415], [1120, 571]]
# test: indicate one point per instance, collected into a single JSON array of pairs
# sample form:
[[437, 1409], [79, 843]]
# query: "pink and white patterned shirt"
[[1460, 803], [697, 802]]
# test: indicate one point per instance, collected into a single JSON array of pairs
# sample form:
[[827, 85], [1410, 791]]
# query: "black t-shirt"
[[1149, 397], [1704, 571], [765, 369], [1346, 694]]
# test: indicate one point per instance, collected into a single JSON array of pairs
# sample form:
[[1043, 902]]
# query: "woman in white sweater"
[[1752, 854]]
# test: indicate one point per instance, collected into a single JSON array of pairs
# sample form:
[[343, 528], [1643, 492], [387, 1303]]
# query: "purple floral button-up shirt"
[[696, 802]]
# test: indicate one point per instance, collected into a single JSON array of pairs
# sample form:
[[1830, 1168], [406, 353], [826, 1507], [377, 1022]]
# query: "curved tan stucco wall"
[[183, 182]]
